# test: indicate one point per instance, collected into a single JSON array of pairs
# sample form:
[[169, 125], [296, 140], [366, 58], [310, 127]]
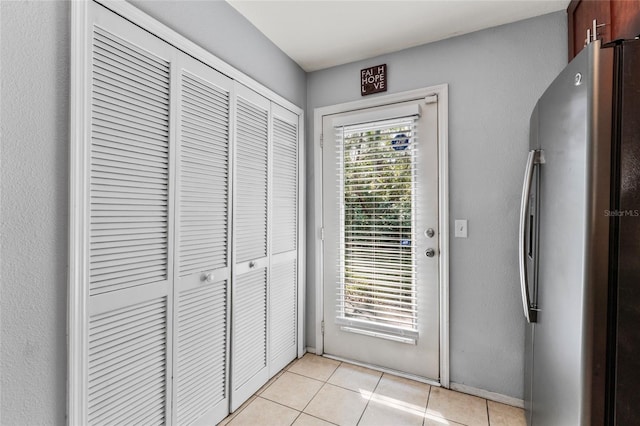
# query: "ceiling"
[[321, 34]]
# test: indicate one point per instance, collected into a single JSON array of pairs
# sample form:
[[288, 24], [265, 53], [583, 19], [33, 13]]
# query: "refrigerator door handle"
[[534, 158]]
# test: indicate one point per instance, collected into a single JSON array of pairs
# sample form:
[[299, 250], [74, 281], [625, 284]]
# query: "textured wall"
[[495, 76], [34, 80], [35, 138]]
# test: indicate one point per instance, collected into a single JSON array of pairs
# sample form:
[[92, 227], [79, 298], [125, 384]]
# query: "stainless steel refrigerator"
[[580, 243]]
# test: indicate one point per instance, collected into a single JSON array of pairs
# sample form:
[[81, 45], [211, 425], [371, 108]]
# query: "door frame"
[[442, 92]]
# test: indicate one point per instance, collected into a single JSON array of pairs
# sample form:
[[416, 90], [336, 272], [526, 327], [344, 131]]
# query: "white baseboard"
[[311, 350], [497, 397]]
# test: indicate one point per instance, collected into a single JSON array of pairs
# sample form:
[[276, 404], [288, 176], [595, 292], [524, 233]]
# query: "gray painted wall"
[[34, 94], [495, 76], [220, 29]]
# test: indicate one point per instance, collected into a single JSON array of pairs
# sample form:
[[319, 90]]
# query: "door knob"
[[252, 264], [208, 278], [430, 252]]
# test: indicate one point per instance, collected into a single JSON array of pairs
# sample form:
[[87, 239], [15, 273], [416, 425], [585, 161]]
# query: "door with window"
[[380, 221]]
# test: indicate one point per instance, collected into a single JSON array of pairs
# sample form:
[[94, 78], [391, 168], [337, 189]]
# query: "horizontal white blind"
[[129, 165], [377, 237]]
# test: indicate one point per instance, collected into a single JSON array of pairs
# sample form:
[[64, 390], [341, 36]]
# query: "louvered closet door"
[[129, 263], [202, 249], [283, 283], [251, 248]]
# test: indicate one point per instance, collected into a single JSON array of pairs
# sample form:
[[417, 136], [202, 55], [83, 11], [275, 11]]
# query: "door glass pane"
[[377, 239]]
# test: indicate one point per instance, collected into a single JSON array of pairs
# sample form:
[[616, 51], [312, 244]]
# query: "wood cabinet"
[[621, 19]]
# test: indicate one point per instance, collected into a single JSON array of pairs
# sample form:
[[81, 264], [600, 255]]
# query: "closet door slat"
[[128, 224], [283, 283], [202, 275], [283, 292], [252, 134], [109, 176], [213, 154], [250, 359], [285, 186], [250, 326]]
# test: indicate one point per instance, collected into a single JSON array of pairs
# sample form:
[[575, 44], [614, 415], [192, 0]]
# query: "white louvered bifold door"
[[129, 264], [202, 245], [251, 249], [283, 282]]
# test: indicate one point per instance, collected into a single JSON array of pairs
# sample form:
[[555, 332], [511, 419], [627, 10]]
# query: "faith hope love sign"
[[373, 80]]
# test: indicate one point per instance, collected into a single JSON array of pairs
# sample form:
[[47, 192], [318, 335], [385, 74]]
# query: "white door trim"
[[443, 201]]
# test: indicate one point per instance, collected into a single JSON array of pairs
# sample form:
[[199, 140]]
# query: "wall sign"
[[373, 80]]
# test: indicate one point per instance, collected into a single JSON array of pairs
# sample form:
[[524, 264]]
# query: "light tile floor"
[[317, 391]]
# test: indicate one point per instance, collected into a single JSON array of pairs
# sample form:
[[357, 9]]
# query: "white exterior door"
[[380, 220]]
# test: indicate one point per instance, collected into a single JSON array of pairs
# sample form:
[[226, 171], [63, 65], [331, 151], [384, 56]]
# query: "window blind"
[[377, 259]]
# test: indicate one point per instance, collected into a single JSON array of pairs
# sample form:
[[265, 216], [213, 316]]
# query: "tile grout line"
[[297, 417], [334, 372], [307, 377], [320, 418], [486, 403], [369, 400], [255, 395], [343, 388], [333, 384], [287, 371], [424, 418], [272, 380], [239, 410], [280, 404], [354, 365], [317, 392]]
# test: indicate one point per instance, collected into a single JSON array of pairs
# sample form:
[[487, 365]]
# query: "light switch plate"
[[461, 228]]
